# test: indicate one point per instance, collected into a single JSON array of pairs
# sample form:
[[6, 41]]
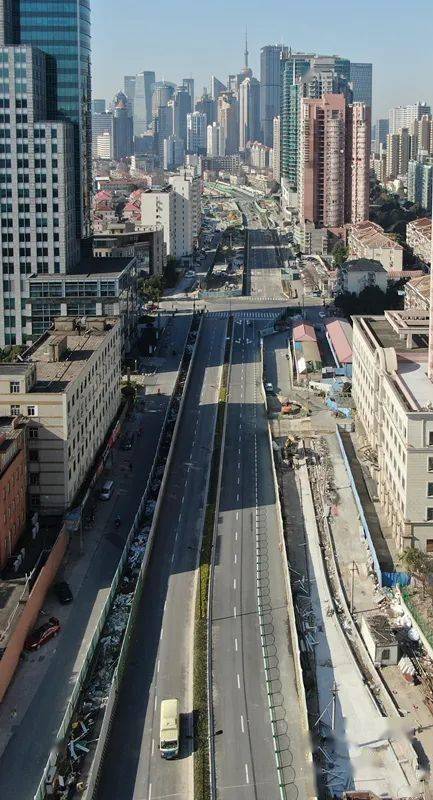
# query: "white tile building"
[[394, 403], [68, 387]]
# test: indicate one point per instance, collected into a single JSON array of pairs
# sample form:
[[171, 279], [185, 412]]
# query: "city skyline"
[[395, 80]]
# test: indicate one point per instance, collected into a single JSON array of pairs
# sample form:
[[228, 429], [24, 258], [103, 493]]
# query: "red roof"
[[304, 333], [340, 334]]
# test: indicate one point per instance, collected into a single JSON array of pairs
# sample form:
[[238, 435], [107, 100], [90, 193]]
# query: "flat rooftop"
[[90, 268]]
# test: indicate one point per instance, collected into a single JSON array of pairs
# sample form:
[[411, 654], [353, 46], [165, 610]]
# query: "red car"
[[43, 634]]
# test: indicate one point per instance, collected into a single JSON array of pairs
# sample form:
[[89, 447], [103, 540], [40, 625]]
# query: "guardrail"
[[85, 668]]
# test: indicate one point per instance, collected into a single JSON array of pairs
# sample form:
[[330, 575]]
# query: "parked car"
[[43, 634], [269, 388], [322, 314], [63, 592]]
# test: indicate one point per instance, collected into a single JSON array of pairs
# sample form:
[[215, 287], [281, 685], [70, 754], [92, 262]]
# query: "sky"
[[189, 38]]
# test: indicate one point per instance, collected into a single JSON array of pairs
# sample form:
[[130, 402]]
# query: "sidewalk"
[[33, 708]]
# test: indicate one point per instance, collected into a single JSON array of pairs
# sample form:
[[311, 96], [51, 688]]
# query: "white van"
[[107, 490]]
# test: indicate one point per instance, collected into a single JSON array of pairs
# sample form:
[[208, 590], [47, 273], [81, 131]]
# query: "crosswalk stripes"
[[245, 314]]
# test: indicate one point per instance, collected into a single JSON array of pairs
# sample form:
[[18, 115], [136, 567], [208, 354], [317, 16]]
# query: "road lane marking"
[[158, 665], [237, 514], [242, 724], [237, 497], [236, 558], [239, 681], [239, 480], [153, 746], [156, 702], [236, 644], [236, 535], [247, 777], [150, 791], [234, 583], [234, 612], [160, 635]]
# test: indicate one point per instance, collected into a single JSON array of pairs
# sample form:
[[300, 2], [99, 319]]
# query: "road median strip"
[[202, 729]]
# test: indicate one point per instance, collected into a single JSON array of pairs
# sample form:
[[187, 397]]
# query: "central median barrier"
[[76, 758], [204, 756]]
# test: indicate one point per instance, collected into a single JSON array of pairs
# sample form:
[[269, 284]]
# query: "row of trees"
[[370, 300], [151, 289]]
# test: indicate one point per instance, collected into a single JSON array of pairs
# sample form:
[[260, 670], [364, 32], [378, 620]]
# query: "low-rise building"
[[68, 389], [311, 240], [340, 339], [358, 273], [98, 287], [123, 240], [417, 293], [305, 350], [418, 237], [394, 402], [368, 240], [13, 484], [380, 639]]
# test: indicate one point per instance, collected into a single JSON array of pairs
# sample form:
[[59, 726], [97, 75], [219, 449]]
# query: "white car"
[[322, 314]]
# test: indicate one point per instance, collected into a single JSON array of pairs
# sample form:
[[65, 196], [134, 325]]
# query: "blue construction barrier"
[[393, 579]]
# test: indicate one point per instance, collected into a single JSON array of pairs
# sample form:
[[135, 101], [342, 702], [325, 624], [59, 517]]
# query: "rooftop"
[[421, 284], [422, 225], [363, 265], [380, 629], [371, 234], [90, 268], [60, 355], [341, 336], [304, 333]]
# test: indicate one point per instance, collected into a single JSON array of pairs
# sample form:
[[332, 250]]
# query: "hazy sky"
[[183, 38]]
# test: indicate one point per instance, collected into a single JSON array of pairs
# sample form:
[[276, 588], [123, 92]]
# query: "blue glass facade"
[[61, 29]]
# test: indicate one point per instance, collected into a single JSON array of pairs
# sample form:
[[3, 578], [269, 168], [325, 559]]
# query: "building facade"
[[142, 108], [368, 240], [393, 397], [418, 237], [68, 388], [228, 118], [270, 88], [361, 78], [196, 133], [62, 33], [276, 149], [215, 140], [37, 181], [358, 148], [403, 116], [249, 112], [13, 483]]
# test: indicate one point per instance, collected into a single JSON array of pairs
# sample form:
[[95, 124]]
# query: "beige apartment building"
[[417, 293], [368, 240], [394, 402], [68, 388], [418, 237]]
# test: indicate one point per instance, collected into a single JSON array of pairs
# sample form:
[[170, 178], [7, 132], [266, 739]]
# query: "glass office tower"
[[61, 29]]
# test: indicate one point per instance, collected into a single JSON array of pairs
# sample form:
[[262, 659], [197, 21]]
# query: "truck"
[[169, 728]]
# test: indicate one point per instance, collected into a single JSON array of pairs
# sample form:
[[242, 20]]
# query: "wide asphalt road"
[[160, 662], [248, 547], [264, 271]]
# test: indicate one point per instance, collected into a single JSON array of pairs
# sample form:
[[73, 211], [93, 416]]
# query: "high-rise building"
[[228, 118], [358, 146], [186, 184], [163, 91], [123, 128], [217, 87], [381, 132], [101, 123], [293, 66], [276, 146], [181, 108], [98, 106], [215, 140], [62, 32], [361, 78], [207, 106], [249, 112], [103, 145], [392, 155], [421, 132], [270, 84], [419, 182], [37, 184], [404, 151], [188, 85], [196, 125], [142, 106], [404, 116], [334, 158], [174, 153], [129, 90]]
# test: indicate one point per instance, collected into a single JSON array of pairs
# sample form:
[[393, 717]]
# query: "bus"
[[169, 728]]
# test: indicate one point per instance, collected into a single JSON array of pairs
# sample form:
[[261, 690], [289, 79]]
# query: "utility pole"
[[353, 568], [334, 692]]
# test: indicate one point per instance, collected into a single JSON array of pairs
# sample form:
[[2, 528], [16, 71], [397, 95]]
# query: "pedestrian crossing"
[[240, 315]]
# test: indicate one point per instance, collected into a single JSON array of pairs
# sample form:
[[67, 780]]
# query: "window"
[[34, 479], [33, 433], [429, 544], [14, 387], [35, 500], [430, 463], [385, 654], [15, 411], [430, 438], [32, 411], [33, 455]]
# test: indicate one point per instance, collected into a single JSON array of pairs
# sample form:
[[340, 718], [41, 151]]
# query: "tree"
[[340, 254], [418, 564]]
